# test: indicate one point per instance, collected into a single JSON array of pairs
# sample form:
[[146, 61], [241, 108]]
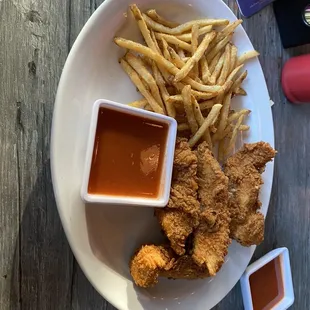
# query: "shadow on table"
[[42, 263]]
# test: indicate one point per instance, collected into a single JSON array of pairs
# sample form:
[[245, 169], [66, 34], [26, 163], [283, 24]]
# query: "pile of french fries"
[[190, 72]]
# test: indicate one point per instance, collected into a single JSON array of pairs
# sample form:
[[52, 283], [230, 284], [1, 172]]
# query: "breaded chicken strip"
[[184, 267], [152, 261], [181, 215], [148, 262], [244, 173], [211, 238]]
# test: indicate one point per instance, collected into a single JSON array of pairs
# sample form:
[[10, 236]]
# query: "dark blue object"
[[250, 7]]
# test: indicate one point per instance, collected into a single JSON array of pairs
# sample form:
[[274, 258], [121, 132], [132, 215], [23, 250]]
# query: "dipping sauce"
[[267, 285], [128, 155]]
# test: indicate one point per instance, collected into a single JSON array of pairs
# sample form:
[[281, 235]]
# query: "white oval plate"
[[102, 238]]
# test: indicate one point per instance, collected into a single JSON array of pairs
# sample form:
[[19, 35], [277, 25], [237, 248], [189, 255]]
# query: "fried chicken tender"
[[244, 170], [185, 267], [147, 263], [181, 215], [211, 238], [152, 261]]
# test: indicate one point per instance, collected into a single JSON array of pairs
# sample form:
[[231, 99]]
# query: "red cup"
[[296, 79]]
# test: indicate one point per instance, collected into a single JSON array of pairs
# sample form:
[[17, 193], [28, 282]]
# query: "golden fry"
[[142, 26], [240, 91], [233, 57], [226, 66], [165, 49], [188, 107], [238, 81], [187, 37], [234, 116], [233, 138], [244, 127], [208, 104], [210, 120], [246, 56], [204, 68], [214, 62], [140, 104], [223, 118], [128, 44], [163, 90], [183, 127], [184, 27], [195, 58], [218, 47], [136, 63], [138, 83], [217, 70], [195, 35], [159, 19], [174, 40]]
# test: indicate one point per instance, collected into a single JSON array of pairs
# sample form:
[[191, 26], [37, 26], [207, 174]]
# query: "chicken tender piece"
[[147, 263], [244, 173], [211, 238], [185, 268], [181, 215]]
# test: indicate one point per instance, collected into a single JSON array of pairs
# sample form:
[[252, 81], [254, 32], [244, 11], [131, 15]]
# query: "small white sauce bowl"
[[165, 182], [288, 297]]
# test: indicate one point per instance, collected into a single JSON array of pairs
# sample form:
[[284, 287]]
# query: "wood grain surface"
[[37, 268]]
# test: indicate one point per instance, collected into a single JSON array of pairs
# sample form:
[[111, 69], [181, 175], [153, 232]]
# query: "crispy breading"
[[244, 170], [147, 263], [185, 267], [181, 215], [211, 238]]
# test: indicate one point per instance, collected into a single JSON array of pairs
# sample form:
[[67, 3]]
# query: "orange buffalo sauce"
[[128, 155], [267, 285]]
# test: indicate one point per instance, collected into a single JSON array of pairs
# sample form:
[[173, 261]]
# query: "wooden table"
[[37, 268]]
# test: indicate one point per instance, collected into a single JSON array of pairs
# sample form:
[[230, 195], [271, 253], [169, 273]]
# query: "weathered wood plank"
[[36, 36], [9, 176]]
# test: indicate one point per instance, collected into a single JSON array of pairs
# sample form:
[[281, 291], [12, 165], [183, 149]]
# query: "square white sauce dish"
[[129, 157]]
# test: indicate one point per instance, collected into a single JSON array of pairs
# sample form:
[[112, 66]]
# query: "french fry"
[[233, 57], [223, 118], [149, 108], [137, 64], [208, 104], [195, 35], [231, 79], [234, 116], [226, 66], [180, 53], [217, 70], [239, 81], [244, 127], [195, 58], [159, 19], [204, 68], [139, 48], [228, 30], [183, 127], [187, 37], [163, 90], [138, 83], [174, 40], [246, 56], [140, 104], [218, 47], [200, 119], [214, 62], [209, 120], [142, 26], [155, 42], [165, 49], [240, 91], [188, 107], [184, 27], [233, 138]]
